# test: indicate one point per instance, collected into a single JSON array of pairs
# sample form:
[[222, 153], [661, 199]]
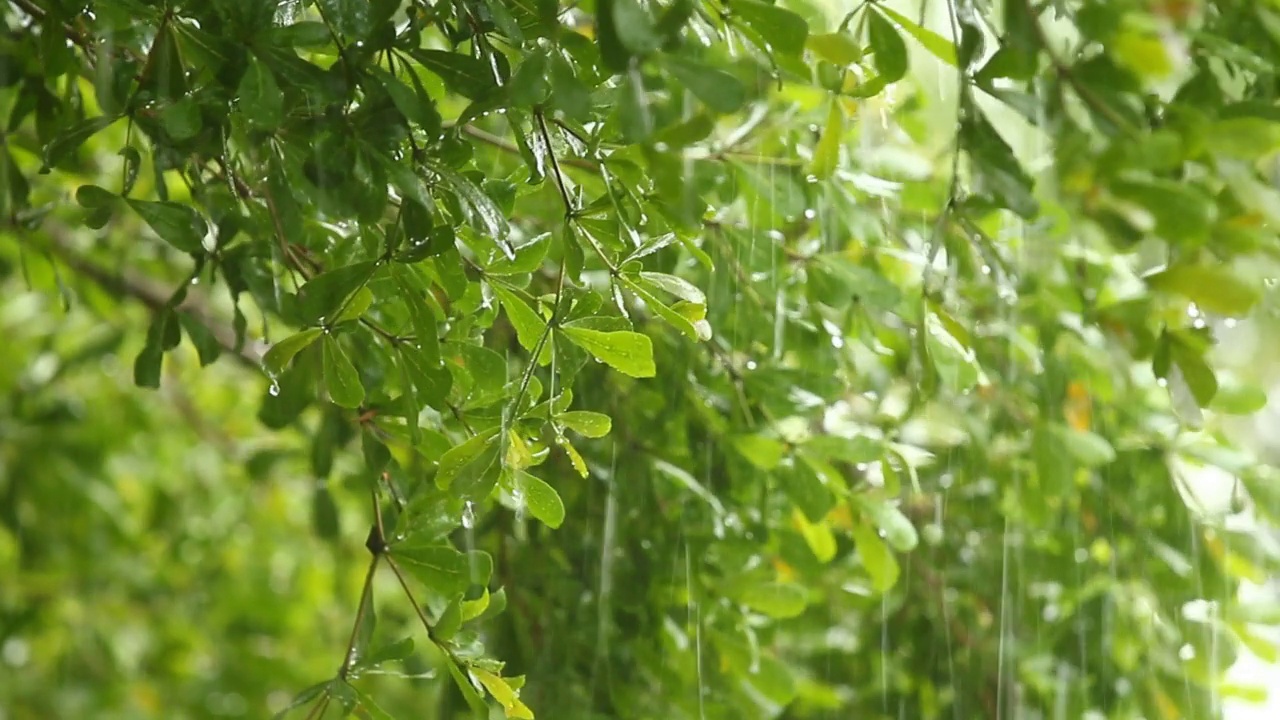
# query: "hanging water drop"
[[274, 390]]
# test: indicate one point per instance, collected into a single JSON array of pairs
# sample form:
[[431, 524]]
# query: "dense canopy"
[[632, 358]]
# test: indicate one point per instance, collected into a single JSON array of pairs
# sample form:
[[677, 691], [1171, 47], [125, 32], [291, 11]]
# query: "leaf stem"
[[362, 611]]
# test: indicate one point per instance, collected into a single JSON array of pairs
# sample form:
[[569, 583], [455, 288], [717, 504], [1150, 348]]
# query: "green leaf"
[[369, 706], [876, 557], [897, 528], [431, 382], [458, 457], [463, 74], [826, 154], [997, 171], [277, 359], [1237, 398], [179, 225], [837, 281], [304, 697], [806, 489], [414, 104], [1214, 288], [614, 54], [675, 285], [1088, 448], [819, 538], [632, 109], [340, 377], [784, 30], [92, 196], [586, 424], [1182, 213], [324, 295], [763, 452], [304, 34], [838, 48], [635, 27], [349, 17], [472, 609], [775, 599], [540, 499], [487, 218], [529, 327], [937, 45], [956, 364], [890, 50], [1196, 373], [627, 352], [527, 258], [1054, 462], [661, 309], [70, 140], [716, 88], [450, 621], [440, 567], [182, 119], [423, 320], [146, 367], [258, 97], [208, 349]]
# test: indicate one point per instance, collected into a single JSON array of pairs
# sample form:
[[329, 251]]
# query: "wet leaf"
[[341, 380], [775, 599], [627, 352], [887, 45], [937, 46], [586, 423], [541, 500], [1216, 289], [784, 30], [259, 98], [179, 225], [716, 88]]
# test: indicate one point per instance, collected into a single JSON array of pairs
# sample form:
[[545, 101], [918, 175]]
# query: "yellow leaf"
[[518, 455], [785, 572], [578, 463], [1078, 408], [840, 517], [503, 693]]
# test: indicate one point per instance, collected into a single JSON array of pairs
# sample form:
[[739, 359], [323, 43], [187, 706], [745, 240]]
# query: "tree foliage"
[[689, 359]]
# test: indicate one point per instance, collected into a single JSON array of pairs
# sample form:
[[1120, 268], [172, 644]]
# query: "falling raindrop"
[[468, 515], [517, 499]]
